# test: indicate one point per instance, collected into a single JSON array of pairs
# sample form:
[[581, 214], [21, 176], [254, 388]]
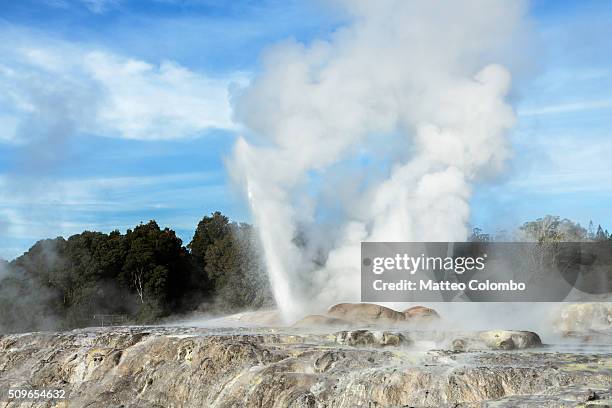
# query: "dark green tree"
[[156, 268], [210, 230]]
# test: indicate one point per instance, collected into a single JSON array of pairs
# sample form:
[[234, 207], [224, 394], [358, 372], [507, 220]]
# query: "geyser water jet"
[[433, 78]]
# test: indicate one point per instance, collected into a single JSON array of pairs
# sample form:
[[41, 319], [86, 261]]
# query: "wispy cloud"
[[80, 89], [564, 164], [565, 183], [566, 108], [95, 6], [63, 4], [100, 6], [70, 206], [100, 193]]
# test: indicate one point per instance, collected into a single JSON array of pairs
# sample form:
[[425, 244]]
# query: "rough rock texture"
[[188, 367], [496, 340], [582, 317], [510, 339], [366, 313], [357, 338], [421, 313]]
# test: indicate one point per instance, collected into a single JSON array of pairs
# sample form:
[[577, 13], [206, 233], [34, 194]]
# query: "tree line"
[[148, 273], [143, 275], [550, 228]]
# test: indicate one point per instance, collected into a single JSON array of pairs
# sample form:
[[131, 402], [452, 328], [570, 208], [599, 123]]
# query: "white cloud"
[[56, 86], [145, 101], [566, 107]]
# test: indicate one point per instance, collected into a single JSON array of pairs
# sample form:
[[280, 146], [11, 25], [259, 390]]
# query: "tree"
[[554, 229], [210, 229], [111, 254], [156, 267], [236, 271], [601, 235], [227, 264], [591, 231], [138, 263]]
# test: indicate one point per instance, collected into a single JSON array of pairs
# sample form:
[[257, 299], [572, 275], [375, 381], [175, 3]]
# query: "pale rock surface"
[[510, 339], [584, 317], [366, 313], [421, 313], [156, 367]]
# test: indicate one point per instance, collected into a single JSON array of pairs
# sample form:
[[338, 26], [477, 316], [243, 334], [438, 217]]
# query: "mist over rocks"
[[371, 354], [321, 321], [257, 318], [510, 339], [369, 315], [366, 324], [244, 367]]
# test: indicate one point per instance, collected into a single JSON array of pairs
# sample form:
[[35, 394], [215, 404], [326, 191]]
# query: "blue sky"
[[114, 112]]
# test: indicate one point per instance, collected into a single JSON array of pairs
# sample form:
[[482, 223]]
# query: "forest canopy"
[[140, 276]]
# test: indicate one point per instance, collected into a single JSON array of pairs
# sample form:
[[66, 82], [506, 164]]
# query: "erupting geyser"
[[409, 101]]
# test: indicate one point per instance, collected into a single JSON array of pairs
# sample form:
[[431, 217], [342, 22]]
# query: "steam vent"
[[354, 355]]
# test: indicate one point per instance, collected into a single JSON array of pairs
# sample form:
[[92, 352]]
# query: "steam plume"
[[409, 100]]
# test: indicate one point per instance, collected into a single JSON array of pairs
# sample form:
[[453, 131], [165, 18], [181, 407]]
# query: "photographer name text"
[[432, 285]]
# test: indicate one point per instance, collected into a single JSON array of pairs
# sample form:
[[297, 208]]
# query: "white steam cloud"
[[422, 84]]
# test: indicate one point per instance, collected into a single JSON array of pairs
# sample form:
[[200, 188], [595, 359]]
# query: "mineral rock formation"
[[368, 338], [510, 340], [496, 340], [421, 313], [360, 315], [584, 317], [276, 368], [366, 313]]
